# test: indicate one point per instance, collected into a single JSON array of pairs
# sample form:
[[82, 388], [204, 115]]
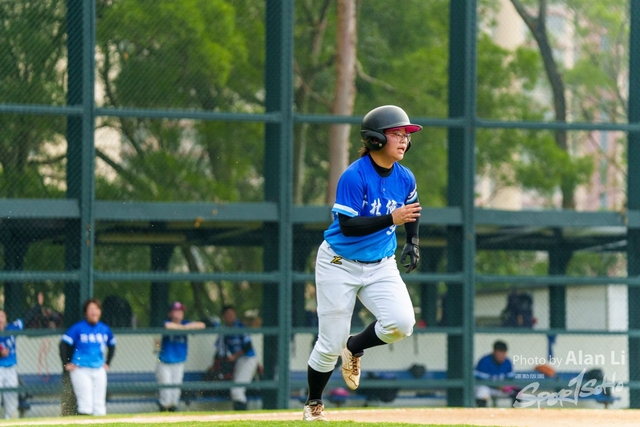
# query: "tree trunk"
[[302, 101], [197, 286], [345, 93], [537, 26]]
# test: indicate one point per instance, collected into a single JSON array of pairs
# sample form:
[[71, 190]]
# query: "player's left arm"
[[111, 349], [411, 248], [412, 230], [196, 325]]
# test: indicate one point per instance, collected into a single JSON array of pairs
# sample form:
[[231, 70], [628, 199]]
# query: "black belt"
[[368, 262]]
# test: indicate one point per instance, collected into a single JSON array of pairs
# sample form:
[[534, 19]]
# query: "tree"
[[195, 54], [345, 93], [32, 44], [311, 64], [595, 77]]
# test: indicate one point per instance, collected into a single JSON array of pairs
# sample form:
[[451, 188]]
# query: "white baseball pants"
[[90, 388], [484, 392], [169, 373], [380, 288], [243, 372], [9, 378]]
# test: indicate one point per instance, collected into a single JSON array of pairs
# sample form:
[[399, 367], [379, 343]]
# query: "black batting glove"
[[413, 252]]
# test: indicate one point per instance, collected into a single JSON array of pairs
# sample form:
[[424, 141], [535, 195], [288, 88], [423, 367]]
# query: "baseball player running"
[[8, 373], [82, 351], [173, 354], [374, 195]]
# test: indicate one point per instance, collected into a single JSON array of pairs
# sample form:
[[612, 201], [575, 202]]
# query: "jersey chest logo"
[[336, 260]]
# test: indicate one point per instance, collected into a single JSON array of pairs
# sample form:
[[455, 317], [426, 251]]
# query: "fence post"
[[278, 237], [461, 241], [80, 153], [633, 198]]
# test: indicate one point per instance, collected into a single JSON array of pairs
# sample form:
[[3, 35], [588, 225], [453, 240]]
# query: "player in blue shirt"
[[493, 366], [82, 352], [237, 348], [8, 372], [356, 260], [173, 354]]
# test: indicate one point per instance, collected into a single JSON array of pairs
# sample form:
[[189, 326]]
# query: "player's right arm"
[[406, 213], [352, 226], [190, 325], [67, 347], [66, 351]]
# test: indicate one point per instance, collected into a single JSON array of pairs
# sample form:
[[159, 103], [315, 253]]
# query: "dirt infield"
[[473, 417]]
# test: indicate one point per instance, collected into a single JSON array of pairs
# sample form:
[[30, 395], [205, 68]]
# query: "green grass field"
[[185, 419]]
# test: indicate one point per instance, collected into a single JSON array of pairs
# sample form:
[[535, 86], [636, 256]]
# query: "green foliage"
[[509, 263], [32, 44], [190, 55], [596, 264], [170, 51], [204, 55], [595, 80], [209, 55]]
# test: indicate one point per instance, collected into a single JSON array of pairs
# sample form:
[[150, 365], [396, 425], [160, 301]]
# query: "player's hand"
[[106, 367], [4, 352], [413, 252], [406, 213], [70, 367]]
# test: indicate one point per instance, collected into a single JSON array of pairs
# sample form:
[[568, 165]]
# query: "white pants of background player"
[[90, 388], [484, 392], [169, 373], [9, 378], [380, 288], [243, 372]]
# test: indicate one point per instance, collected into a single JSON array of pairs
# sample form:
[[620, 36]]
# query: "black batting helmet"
[[376, 121]]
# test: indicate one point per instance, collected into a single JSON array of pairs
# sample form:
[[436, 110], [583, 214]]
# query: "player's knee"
[[402, 327], [325, 355], [405, 325], [323, 362], [483, 392]]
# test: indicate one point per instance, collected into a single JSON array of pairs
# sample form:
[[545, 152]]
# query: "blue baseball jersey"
[[234, 343], [488, 369], [363, 192], [10, 343], [174, 347], [89, 342]]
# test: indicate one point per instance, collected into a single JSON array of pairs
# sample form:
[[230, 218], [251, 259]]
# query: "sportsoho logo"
[[576, 389]]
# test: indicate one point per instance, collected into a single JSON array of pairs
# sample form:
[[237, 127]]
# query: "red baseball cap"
[[177, 305]]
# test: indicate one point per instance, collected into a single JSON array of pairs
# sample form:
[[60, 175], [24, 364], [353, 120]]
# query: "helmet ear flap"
[[408, 147], [373, 140]]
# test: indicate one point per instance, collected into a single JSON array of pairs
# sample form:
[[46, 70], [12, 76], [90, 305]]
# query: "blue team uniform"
[[236, 342], [89, 342], [10, 343], [363, 192], [174, 347], [487, 369]]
